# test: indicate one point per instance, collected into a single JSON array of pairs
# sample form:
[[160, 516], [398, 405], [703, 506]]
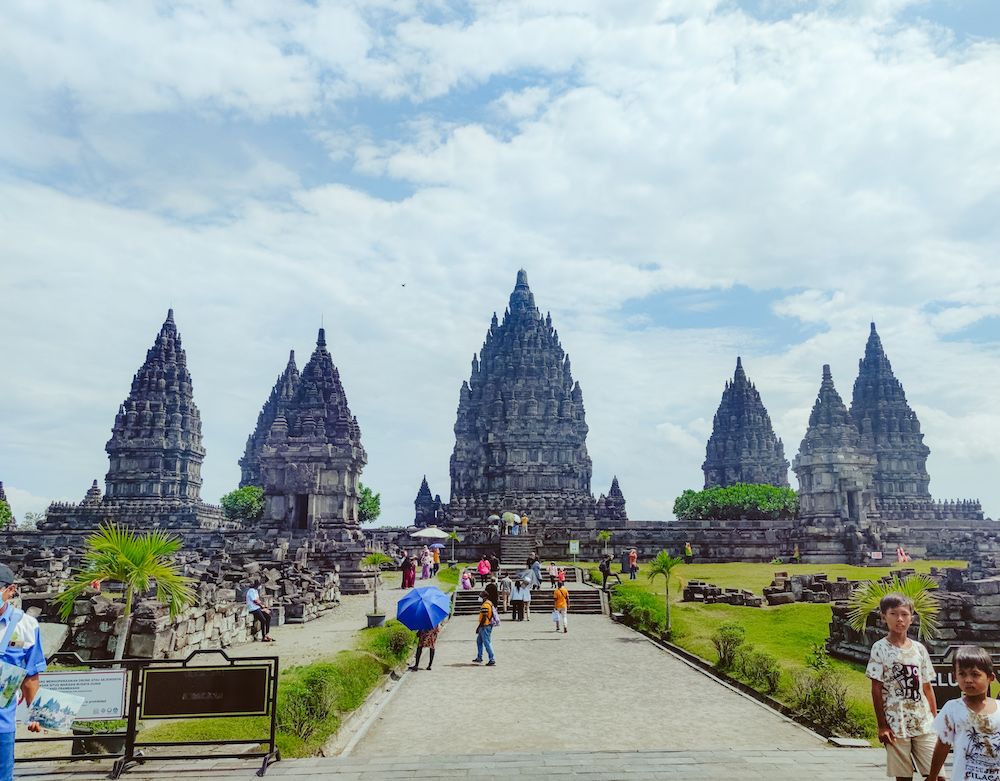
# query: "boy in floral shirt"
[[901, 673]]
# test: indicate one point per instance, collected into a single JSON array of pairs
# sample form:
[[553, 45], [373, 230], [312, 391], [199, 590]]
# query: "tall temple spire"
[[743, 447], [834, 465], [155, 447], [309, 456], [883, 417], [520, 432], [281, 394]]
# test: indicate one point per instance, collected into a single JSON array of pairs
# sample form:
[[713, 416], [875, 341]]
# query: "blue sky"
[[684, 181]]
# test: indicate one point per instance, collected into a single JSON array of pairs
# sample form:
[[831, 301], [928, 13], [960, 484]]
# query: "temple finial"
[[321, 339]]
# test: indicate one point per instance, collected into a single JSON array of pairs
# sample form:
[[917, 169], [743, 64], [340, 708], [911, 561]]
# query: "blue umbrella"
[[423, 608], [437, 545]]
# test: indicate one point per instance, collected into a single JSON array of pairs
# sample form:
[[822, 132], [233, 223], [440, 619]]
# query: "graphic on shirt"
[[907, 680], [981, 752]]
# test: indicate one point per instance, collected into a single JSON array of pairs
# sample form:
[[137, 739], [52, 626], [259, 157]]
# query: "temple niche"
[[521, 430], [743, 447], [306, 453]]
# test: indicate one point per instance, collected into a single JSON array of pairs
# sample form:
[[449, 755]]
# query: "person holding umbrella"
[[423, 610], [426, 638]]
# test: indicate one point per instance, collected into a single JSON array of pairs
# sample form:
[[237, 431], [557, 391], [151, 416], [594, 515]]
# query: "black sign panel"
[[169, 692]]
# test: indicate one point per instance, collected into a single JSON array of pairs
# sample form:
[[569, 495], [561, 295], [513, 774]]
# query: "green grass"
[[786, 631], [449, 577], [312, 698]]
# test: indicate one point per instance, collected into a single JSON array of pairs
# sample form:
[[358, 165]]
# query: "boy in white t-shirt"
[[971, 723], [901, 673]]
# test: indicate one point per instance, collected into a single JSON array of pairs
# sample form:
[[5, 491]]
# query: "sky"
[[684, 181]]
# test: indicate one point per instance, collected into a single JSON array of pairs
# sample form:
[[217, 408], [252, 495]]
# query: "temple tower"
[[743, 447], [428, 508], [155, 447], [281, 395], [835, 465], [312, 458], [882, 415], [521, 432]]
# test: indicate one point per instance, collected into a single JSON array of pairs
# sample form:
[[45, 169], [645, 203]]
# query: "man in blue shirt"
[[22, 643]]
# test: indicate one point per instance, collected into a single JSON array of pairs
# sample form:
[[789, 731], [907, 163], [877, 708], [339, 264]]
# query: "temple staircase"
[[581, 600]]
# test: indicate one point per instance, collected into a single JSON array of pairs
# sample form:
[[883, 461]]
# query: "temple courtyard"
[[600, 702]]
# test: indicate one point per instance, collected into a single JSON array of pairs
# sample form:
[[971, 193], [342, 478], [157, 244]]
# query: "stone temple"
[[306, 453], [521, 430], [743, 447]]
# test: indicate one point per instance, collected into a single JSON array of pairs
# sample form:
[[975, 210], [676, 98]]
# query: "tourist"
[[606, 570], [404, 568], [426, 638], [484, 631], [517, 595], [562, 576], [492, 591], [425, 560], [970, 724], [494, 565], [633, 564], [560, 605], [21, 641], [524, 524], [467, 581], [411, 570], [508, 525], [506, 585], [515, 527], [553, 574], [901, 674], [484, 569], [436, 555], [260, 615], [527, 601], [536, 573]]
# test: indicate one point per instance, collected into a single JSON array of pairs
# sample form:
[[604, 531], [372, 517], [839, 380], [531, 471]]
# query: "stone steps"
[[583, 601]]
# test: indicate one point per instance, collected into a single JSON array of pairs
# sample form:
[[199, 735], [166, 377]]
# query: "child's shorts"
[[906, 753]]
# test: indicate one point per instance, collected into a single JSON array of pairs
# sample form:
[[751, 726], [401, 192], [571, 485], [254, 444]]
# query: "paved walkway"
[[599, 703]]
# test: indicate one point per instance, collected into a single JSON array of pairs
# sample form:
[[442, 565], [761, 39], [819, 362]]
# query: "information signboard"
[[238, 690], [574, 547], [103, 693]]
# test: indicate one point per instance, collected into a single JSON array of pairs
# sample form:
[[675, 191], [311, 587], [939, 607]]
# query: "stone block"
[[984, 586], [781, 598], [983, 613], [90, 638]]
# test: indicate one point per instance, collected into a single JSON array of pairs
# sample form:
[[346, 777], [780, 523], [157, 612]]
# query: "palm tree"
[[663, 565], [137, 561], [866, 597], [452, 535], [376, 560], [604, 536]]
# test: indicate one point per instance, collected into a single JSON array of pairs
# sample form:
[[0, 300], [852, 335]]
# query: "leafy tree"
[[663, 565], [376, 560], [866, 598], [5, 515], [137, 561], [31, 520], [369, 504], [743, 500], [244, 504]]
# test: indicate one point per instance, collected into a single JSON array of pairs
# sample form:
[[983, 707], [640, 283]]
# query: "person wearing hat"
[[20, 645]]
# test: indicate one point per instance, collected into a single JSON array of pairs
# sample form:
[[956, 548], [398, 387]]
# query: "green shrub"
[[821, 696], [760, 669], [640, 609], [299, 712], [756, 502], [391, 643], [728, 639]]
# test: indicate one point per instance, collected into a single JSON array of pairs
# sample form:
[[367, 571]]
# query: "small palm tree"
[[663, 565], [452, 535], [867, 596], [604, 536], [137, 561], [376, 560]]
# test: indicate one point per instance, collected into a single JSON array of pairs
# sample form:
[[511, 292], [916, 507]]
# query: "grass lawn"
[[785, 631]]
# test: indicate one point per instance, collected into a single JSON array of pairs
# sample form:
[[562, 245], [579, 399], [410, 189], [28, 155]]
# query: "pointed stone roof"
[[830, 424], [155, 447], [882, 414], [520, 433], [281, 394], [743, 447], [318, 408]]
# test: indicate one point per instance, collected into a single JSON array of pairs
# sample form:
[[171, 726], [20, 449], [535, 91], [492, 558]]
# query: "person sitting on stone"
[[259, 614]]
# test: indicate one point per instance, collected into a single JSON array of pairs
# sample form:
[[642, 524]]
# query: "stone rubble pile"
[[811, 587], [710, 594]]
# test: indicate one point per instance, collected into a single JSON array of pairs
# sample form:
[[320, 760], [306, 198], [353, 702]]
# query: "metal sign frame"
[[137, 674]]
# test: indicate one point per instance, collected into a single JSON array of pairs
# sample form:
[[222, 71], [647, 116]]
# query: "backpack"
[[605, 567], [494, 616]]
